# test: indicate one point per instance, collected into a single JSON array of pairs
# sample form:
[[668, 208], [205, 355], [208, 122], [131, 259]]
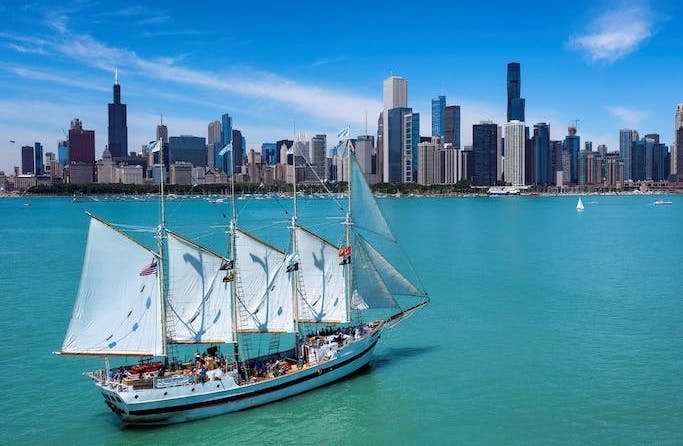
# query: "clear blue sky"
[[318, 66]]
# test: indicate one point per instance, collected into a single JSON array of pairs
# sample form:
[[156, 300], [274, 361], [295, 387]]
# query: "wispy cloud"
[[318, 101], [135, 14], [628, 116], [69, 81], [615, 34], [27, 49]]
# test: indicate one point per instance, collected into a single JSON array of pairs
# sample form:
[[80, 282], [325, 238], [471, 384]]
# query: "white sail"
[[579, 205], [369, 287], [366, 213], [198, 300], [117, 310], [321, 279], [395, 282], [264, 290]]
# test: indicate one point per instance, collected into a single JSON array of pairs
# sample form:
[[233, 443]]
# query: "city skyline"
[[612, 66]]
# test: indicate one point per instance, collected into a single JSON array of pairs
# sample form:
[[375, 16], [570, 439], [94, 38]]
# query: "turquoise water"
[[546, 326]]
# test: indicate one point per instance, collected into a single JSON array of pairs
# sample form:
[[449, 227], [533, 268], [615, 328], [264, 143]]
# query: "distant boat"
[[503, 190], [661, 202], [579, 205]]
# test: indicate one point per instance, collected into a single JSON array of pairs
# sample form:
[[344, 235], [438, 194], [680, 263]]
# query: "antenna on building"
[[116, 76], [576, 122], [366, 122]]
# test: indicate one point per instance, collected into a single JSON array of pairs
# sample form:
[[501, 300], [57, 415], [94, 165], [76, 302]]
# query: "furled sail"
[[198, 308], [264, 290], [118, 307], [366, 213], [321, 279]]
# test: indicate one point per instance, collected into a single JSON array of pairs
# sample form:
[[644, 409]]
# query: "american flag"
[[149, 269]]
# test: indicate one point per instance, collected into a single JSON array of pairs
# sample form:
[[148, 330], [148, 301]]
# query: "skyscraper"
[[237, 150], [438, 106], [679, 154], [395, 106], [221, 161], [411, 138], [214, 132], [515, 142], [162, 131], [118, 129], [484, 152], [394, 144], [27, 160], [186, 148], [676, 149], [541, 141], [395, 92], [226, 129], [38, 152], [572, 146], [515, 109], [451, 126], [63, 152], [81, 144], [365, 146], [318, 157], [625, 143]]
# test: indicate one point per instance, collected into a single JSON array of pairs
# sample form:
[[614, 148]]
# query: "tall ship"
[[319, 308]]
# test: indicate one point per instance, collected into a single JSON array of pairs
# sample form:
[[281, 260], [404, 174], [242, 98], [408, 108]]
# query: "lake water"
[[546, 326]]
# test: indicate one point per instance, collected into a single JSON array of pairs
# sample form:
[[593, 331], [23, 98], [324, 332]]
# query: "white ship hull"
[[216, 397]]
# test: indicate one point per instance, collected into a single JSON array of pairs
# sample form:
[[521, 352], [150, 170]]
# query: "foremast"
[[347, 236]]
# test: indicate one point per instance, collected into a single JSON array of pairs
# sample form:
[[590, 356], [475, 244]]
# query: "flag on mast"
[[225, 149], [154, 146]]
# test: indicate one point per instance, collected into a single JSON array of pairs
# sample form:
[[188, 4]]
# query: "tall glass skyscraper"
[[40, 166], [27, 160], [438, 106], [516, 104], [222, 162], [118, 128], [484, 152], [572, 146], [625, 145], [541, 141], [451, 126], [63, 152], [393, 156]]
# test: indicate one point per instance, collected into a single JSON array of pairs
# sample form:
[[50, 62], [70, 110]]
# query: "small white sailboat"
[[579, 205], [321, 314]]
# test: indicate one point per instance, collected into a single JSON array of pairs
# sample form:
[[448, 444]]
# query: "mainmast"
[[161, 235], [232, 236], [294, 258]]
